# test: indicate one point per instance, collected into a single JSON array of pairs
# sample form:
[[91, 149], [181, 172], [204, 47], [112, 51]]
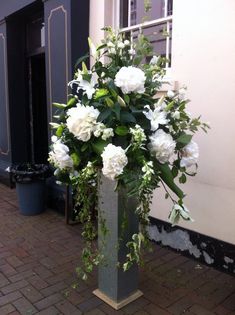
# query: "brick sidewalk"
[[38, 256]]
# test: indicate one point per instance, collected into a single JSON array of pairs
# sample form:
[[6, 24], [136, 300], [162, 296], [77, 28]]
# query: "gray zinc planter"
[[116, 287]]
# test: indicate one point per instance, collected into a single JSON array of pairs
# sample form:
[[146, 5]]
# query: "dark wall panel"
[[8, 7], [4, 117]]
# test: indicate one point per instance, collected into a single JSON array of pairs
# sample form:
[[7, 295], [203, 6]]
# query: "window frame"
[[168, 19]]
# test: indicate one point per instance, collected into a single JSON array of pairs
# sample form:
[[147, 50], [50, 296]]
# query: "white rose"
[[130, 79], [162, 145], [59, 156], [190, 154], [114, 160], [156, 117], [81, 121]]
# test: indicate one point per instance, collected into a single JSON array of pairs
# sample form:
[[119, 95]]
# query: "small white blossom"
[[148, 171], [107, 133], [170, 94], [110, 45], [162, 146], [121, 45], [154, 60], [176, 115], [156, 117], [59, 156], [138, 135], [130, 79], [126, 42], [178, 212], [190, 154], [112, 51], [182, 93], [81, 121], [132, 51], [114, 161], [8, 169]]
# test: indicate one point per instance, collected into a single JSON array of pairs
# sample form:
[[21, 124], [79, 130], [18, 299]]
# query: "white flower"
[[59, 156], [121, 45], [126, 42], [156, 117], [110, 45], [130, 79], [154, 60], [132, 51], [8, 169], [107, 133], [114, 160], [178, 212], [176, 115], [87, 86], [190, 154], [162, 145], [170, 94], [54, 138], [138, 135], [100, 129], [81, 121], [182, 93], [112, 51]]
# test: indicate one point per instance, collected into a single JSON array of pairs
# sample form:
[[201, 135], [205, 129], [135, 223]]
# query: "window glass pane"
[[36, 34]]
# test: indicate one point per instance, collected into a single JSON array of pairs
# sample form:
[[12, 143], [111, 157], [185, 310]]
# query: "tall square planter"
[[117, 211]]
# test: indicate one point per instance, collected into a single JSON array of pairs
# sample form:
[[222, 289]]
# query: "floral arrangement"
[[115, 124]]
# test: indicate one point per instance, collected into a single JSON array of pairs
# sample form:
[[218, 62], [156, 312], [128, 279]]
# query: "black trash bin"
[[30, 182]]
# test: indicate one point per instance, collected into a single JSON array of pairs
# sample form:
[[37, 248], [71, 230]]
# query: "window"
[[156, 23]]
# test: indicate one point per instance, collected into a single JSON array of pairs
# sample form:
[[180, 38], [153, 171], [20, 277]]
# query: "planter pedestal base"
[[116, 287], [114, 304]]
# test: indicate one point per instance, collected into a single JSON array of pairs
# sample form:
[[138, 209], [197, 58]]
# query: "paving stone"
[[32, 294], [5, 299], [48, 301], [50, 311], [24, 306], [14, 286], [67, 308], [7, 309]]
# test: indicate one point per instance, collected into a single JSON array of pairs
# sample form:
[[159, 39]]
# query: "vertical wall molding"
[[7, 150], [49, 20]]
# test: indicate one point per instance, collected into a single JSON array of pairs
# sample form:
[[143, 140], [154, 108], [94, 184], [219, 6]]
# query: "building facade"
[[198, 39]]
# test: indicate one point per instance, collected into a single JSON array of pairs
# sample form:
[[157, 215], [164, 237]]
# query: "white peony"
[[130, 79], [190, 154], [157, 117], [114, 160], [162, 145], [81, 121], [59, 156]]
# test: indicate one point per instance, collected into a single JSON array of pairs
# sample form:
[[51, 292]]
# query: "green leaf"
[[117, 110], [127, 98], [103, 115], [121, 130], [121, 101], [127, 117], [81, 59], [59, 131], [72, 102], [183, 179], [167, 177], [76, 159], [58, 105], [99, 145], [184, 139], [109, 102], [84, 68], [100, 93], [84, 147]]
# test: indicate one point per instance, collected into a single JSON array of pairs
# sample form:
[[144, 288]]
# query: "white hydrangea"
[[130, 79], [114, 161], [162, 145], [81, 121], [157, 117], [59, 156], [190, 154]]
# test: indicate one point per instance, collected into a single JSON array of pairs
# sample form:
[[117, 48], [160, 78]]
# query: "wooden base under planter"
[[120, 304]]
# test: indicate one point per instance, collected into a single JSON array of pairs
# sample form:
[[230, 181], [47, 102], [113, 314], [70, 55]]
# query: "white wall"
[[203, 58]]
